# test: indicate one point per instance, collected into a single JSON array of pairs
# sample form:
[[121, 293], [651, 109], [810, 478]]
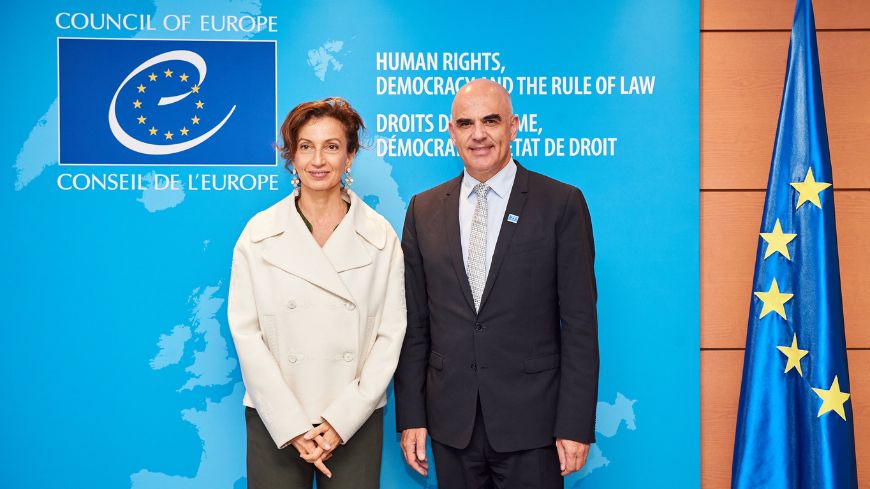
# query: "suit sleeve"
[[411, 375], [578, 388], [360, 398], [276, 404]]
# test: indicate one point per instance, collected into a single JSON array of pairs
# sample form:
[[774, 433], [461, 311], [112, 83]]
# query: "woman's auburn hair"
[[334, 107]]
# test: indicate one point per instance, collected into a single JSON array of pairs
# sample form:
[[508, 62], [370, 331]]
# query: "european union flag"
[[156, 102], [794, 426]]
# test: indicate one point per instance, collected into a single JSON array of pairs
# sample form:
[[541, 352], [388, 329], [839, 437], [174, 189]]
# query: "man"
[[500, 359]]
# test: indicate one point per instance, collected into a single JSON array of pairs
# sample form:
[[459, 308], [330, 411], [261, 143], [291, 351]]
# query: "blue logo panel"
[[154, 102]]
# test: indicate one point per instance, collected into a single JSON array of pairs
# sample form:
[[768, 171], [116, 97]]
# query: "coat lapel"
[[287, 244], [346, 248], [450, 213], [515, 205]]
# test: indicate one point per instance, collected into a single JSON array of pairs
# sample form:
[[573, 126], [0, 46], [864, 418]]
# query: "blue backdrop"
[[118, 366]]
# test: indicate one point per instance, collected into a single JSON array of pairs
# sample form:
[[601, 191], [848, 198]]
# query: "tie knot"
[[481, 189]]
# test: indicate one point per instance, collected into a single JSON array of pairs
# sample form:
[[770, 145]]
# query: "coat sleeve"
[[578, 385], [276, 404], [358, 400], [411, 374]]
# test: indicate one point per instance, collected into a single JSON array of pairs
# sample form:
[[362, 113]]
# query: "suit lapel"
[[515, 205], [450, 213]]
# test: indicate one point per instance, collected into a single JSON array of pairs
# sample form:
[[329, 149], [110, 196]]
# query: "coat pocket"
[[541, 363], [436, 360]]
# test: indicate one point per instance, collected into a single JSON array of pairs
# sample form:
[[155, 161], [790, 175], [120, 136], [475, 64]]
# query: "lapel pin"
[[513, 218]]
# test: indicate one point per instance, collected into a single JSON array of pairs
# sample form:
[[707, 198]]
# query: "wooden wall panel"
[[742, 76], [729, 236], [777, 14], [720, 392]]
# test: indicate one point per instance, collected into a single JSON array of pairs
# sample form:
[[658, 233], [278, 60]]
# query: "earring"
[[295, 179], [348, 178]]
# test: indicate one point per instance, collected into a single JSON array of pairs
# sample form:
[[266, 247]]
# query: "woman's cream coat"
[[318, 331]]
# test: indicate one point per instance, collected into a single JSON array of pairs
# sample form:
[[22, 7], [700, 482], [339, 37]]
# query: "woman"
[[317, 313]]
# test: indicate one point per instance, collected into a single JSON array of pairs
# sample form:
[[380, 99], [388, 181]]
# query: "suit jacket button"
[[478, 327], [474, 366], [292, 359], [291, 304], [350, 306], [348, 356]]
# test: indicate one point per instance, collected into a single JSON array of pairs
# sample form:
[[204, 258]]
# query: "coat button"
[[292, 359], [478, 326], [348, 356], [291, 304], [474, 366], [350, 306]]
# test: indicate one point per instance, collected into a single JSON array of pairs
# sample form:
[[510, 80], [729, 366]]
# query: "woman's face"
[[321, 154]]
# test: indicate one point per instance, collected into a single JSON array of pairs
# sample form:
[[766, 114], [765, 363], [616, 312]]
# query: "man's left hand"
[[572, 455]]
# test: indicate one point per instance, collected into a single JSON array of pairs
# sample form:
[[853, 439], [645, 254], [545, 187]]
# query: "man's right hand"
[[414, 448]]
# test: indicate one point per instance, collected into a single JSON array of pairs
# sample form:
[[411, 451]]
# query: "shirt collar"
[[500, 183]]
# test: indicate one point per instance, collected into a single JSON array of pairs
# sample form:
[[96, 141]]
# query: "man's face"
[[482, 127]]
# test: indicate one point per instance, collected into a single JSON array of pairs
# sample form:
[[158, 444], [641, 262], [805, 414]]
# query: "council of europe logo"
[[166, 102]]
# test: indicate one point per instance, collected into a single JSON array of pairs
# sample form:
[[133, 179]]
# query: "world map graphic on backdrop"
[[221, 463]]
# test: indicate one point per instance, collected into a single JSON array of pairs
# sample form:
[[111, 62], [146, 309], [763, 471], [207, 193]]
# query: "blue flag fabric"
[[166, 102], [794, 425]]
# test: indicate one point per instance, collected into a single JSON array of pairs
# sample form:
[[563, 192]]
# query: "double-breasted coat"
[[318, 331]]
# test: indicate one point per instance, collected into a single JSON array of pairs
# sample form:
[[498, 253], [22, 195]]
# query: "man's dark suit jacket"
[[531, 352]]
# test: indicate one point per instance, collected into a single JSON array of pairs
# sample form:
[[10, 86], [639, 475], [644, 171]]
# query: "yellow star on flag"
[[152, 77], [773, 300], [794, 355], [168, 73], [195, 119], [777, 241], [832, 399], [195, 89], [809, 190], [184, 131], [141, 119], [141, 88], [152, 131], [137, 104], [168, 135], [183, 77], [199, 104]]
